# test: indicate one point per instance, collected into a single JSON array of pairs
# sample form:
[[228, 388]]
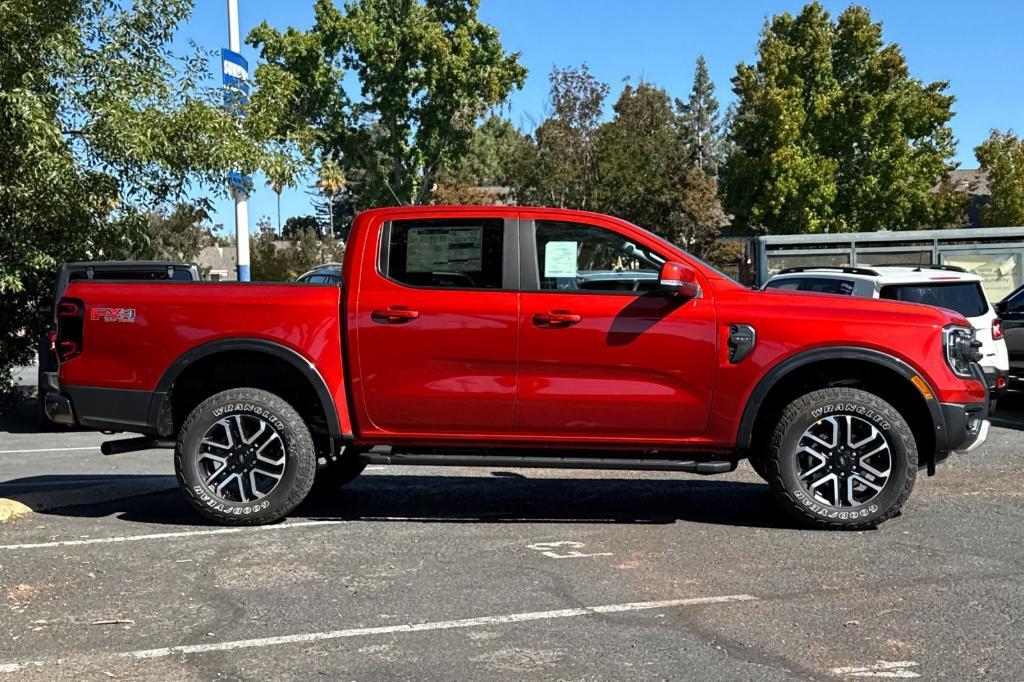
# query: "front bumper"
[[966, 425]]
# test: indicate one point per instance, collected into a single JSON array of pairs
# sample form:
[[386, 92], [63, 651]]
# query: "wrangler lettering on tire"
[[841, 458]]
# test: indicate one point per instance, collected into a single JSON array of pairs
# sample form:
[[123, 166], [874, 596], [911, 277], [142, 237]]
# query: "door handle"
[[556, 318], [395, 315]]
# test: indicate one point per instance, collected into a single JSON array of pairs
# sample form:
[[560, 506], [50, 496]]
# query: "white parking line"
[[165, 536], [510, 618], [22, 452]]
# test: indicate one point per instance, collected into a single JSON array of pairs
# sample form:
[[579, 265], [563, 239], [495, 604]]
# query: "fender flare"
[[159, 406], [745, 433]]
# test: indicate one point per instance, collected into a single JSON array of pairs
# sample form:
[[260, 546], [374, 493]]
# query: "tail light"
[[69, 328], [51, 340], [1001, 383], [997, 329]]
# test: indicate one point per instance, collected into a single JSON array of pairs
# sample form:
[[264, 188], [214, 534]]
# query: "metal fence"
[[994, 253]]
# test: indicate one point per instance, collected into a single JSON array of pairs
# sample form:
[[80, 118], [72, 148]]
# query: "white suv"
[[944, 286]]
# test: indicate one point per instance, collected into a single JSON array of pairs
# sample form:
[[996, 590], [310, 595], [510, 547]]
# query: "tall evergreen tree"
[[700, 123]]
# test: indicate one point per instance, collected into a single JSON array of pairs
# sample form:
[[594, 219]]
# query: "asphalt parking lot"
[[453, 573]]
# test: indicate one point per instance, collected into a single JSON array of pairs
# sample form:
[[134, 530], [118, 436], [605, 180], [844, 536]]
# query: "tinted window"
[[787, 284], [966, 298], [453, 254], [576, 257], [821, 285]]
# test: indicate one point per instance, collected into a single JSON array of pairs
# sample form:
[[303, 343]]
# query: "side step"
[[381, 456]]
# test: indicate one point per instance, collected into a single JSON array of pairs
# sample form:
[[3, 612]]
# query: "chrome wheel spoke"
[[241, 458], [843, 460]]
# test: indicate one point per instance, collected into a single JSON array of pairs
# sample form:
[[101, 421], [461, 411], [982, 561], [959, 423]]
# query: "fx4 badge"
[[113, 314]]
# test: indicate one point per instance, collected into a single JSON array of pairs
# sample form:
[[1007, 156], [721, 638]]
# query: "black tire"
[[338, 471], [818, 408], [299, 457]]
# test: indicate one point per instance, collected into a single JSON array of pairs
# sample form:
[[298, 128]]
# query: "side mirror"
[[1000, 308], [676, 279]]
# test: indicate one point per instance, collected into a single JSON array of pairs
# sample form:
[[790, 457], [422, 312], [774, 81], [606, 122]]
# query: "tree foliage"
[[700, 122], [1002, 157], [297, 224], [427, 72], [179, 234], [831, 133], [645, 174], [278, 260], [99, 125]]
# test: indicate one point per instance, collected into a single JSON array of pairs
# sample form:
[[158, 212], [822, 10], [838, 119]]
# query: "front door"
[[437, 327], [603, 352]]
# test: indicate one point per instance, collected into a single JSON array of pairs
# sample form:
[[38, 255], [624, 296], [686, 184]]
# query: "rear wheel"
[[244, 457], [842, 458]]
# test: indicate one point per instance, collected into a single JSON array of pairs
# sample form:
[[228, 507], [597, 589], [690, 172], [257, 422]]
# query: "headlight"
[[961, 349]]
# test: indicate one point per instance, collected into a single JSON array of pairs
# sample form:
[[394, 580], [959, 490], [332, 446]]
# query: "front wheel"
[[244, 457], [842, 458]]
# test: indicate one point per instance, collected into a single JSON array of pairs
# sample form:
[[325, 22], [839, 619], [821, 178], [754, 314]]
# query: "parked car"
[[945, 286], [328, 273], [95, 270], [1011, 312], [452, 340]]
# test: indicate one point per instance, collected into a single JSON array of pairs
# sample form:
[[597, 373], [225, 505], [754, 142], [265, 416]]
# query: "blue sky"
[[976, 46]]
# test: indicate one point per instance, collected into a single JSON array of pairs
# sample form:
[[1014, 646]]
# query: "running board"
[[377, 456]]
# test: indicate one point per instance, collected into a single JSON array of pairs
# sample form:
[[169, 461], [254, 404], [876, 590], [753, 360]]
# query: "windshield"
[[965, 298]]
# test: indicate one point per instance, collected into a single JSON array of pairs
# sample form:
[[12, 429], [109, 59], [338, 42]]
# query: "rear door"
[[603, 352], [436, 317]]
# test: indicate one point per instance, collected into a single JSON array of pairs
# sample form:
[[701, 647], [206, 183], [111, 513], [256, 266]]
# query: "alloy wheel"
[[241, 458], [843, 460]]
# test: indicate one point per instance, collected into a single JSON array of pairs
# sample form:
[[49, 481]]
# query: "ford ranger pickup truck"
[[520, 337]]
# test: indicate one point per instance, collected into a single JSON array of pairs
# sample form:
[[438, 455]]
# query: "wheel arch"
[[846, 364], [161, 409]]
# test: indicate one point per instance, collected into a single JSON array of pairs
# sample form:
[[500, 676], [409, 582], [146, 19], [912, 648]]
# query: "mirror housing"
[[676, 279], [1000, 308]]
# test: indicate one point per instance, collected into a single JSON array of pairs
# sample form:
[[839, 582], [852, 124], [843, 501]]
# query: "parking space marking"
[[22, 452], [548, 550], [166, 536], [305, 638], [885, 669]]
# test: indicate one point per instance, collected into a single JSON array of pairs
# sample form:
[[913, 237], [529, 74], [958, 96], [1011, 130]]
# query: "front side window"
[[449, 254], [966, 298], [577, 257]]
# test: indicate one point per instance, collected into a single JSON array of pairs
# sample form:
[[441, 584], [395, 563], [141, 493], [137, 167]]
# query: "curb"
[[12, 509]]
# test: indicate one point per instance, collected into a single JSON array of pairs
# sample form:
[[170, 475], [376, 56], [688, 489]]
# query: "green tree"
[[270, 262], [556, 166], [426, 71], [180, 234], [99, 125], [645, 175], [486, 165], [832, 134], [1002, 157], [297, 224], [700, 123]]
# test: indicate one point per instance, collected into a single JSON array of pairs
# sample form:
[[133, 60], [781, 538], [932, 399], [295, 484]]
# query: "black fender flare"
[[159, 406], [745, 433]]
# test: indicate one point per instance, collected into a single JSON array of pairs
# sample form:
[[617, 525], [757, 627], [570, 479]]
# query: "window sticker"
[[560, 259], [444, 249]]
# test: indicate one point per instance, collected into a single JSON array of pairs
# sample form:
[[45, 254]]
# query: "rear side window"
[[448, 254], [821, 285], [966, 298]]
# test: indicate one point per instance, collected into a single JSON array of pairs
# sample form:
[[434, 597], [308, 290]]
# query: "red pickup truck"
[[520, 337]]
